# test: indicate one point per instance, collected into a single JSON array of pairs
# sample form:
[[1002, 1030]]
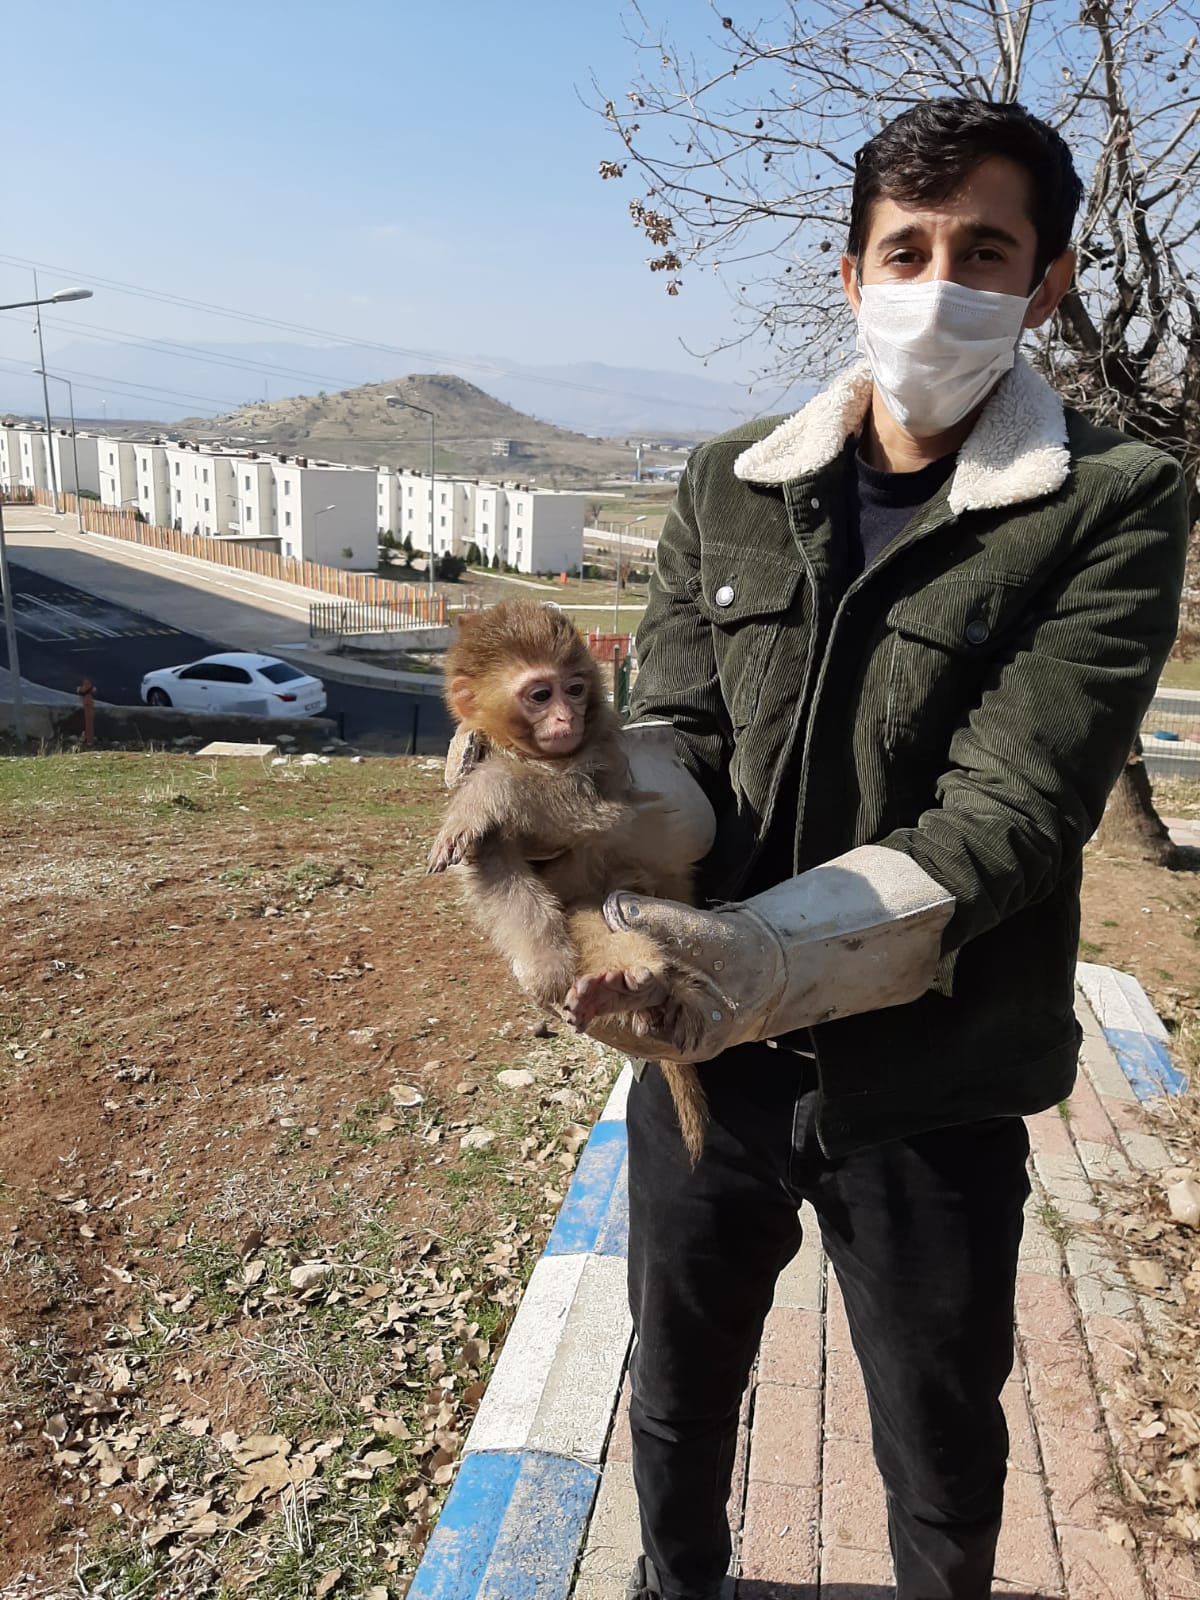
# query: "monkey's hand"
[[455, 843], [857, 934]]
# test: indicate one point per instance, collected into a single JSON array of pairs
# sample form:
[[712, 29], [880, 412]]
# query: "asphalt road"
[[65, 634]]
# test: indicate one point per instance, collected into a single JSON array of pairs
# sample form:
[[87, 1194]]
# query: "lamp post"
[[74, 437], [398, 400], [57, 299], [10, 635]]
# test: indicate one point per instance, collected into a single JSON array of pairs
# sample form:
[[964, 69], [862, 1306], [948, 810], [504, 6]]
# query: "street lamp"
[[57, 299], [317, 515], [74, 438], [398, 400], [10, 635], [617, 594]]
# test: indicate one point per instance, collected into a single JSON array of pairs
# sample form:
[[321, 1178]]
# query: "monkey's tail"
[[690, 1105]]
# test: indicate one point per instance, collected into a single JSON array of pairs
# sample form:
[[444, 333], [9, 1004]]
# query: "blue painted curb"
[[514, 1521], [1146, 1064], [510, 1530]]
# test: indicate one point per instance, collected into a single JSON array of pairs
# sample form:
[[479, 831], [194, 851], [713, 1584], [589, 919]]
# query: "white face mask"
[[935, 349]]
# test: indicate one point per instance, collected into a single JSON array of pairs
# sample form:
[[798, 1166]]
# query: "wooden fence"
[[413, 600]]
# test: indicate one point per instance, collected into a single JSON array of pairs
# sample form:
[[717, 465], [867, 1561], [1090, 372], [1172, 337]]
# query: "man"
[[905, 639]]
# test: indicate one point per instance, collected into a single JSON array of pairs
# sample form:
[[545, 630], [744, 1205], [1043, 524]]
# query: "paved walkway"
[[808, 1508]]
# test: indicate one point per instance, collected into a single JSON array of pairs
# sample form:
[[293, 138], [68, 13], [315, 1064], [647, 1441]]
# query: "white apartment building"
[[153, 483], [545, 530], [254, 497], [33, 462], [84, 448], [118, 474], [326, 513], [201, 485], [10, 457]]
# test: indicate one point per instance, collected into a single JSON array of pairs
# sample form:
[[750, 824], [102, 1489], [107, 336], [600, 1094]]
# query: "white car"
[[257, 686]]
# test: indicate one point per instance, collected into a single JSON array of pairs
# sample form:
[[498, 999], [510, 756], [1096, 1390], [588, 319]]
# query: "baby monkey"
[[546, 822]]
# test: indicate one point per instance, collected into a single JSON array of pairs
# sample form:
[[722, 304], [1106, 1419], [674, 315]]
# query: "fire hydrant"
[[87, 693]]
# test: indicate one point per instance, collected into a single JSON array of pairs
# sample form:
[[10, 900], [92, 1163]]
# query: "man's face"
[[982, 237]]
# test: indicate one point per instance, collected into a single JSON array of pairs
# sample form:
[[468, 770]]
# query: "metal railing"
[[338, 619]]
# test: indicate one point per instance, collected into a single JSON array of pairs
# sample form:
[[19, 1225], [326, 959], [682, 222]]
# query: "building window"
[[441, 522], [249, 513], [287, 522], [145, 492], [110, 458], [247, 480], [206, 474], [287, 486], [206, 503], [410, 491], [178, 497], [177, 469], [485, 530]]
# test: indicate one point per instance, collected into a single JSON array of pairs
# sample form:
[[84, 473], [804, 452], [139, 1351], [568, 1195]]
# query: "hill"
[[358, 426]]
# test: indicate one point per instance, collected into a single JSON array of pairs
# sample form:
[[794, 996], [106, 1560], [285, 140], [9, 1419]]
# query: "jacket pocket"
[[944, 639], [745, 598]]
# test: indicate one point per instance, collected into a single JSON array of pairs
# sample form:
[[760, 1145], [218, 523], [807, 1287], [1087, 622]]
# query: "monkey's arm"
[[524, 920]]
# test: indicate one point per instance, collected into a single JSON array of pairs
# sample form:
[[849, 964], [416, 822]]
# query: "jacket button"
[[724, 595], [815, 503], [977, 631]]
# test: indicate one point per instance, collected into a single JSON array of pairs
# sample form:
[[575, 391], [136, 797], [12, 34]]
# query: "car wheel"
[[158, 697]]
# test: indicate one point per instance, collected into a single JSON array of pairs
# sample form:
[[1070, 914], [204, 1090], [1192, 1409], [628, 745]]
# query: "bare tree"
[[745, 156]]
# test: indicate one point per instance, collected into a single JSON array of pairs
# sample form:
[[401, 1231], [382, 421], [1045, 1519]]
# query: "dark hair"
[[928, 152]]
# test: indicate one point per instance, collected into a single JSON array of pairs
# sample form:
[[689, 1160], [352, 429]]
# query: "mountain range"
[[167, 382]]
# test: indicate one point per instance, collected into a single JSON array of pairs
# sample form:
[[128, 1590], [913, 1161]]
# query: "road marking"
[[72, 617]]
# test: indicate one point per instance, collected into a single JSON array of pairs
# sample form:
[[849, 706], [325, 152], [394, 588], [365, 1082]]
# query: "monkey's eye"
[[577, 690], [541, 695]]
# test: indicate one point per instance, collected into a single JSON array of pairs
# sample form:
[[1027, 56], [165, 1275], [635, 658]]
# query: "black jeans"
[[923, 1235]]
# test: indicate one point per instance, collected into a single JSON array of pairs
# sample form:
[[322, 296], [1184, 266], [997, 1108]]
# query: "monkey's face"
[[551, 708]]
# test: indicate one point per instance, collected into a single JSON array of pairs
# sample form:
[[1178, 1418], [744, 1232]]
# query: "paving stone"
[[1100, 1287], [837, 1329], [856, 1574], [614, 1539], [1048, 1133], [1112, 1344], [786, 1438], [791, 1348], [853, 1503], [1079, 1477], [1066, 1186], [1088, 1119], [846, 1413], [735, 1505], [1060, 1388], [1097, 1569], [1146, 1151], [779, 1539], [1174, 1574], [799, 1285], [1103, 1163], [1026, 1557], [1039, 1251], [1045, 1310], [1103, 1068], [1022, 1442]]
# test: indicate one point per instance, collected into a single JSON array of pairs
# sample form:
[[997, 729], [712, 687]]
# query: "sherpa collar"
[[1016, 451]]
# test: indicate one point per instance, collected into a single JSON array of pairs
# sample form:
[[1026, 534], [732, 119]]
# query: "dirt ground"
[[265, 1203]]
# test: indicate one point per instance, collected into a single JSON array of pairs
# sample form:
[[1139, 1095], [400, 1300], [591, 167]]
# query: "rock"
[[404, 1094], [515, 1078], [541, 1030], [476, 1139], [356, 761], [308, 759], [308, 1273], [1148, 1274], [1184, 1200]]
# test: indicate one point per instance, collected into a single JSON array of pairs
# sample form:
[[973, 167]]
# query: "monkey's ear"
[[462, 697]]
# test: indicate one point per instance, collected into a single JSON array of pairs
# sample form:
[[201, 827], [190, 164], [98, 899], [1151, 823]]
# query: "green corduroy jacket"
[[969, 700]]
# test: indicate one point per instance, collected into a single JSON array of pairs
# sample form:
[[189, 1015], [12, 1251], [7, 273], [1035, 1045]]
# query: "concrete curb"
[[1133, 1030], [532, 1458]]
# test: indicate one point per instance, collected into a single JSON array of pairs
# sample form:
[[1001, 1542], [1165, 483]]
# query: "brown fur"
[[545, 840]]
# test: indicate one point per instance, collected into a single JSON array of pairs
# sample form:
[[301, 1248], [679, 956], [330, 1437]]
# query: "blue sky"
[[421, 173]]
